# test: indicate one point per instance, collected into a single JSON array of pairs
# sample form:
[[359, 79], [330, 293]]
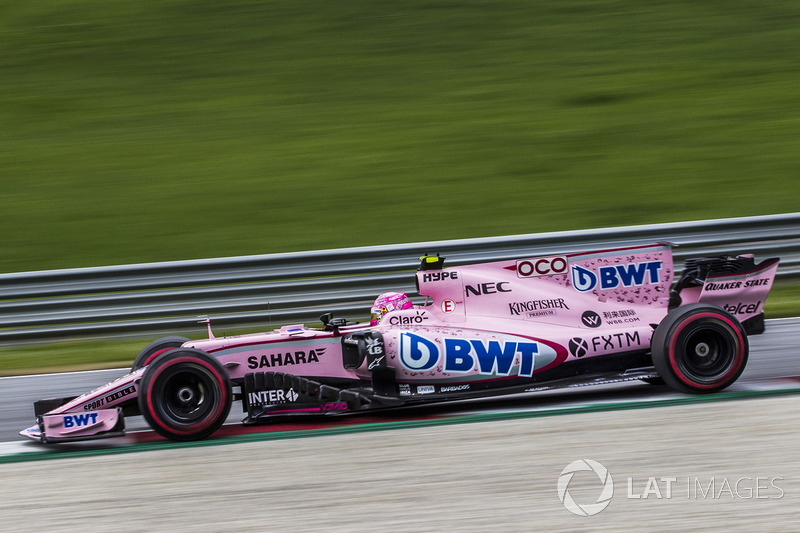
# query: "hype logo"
[[614, 276]]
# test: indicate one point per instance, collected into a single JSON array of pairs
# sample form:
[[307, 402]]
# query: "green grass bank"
[[154, 131], [168, 130]]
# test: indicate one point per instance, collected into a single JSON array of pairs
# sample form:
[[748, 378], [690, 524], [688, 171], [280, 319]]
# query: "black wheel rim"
[[707, 353], [189, 394]]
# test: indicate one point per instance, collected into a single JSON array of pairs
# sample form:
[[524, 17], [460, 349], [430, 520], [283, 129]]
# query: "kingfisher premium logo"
[[533, 308]]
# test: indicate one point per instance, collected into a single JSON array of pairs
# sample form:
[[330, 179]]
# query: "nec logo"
[[84, 419], [486, 288]]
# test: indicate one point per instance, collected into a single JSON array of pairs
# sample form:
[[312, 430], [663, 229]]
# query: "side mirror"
[[325, 319], [331, 324]]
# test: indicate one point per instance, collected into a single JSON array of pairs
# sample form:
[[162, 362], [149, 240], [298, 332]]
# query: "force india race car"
[[484, 329]]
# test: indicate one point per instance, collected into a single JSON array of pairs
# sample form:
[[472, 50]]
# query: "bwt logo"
[[491, 357], [81, 420], [614, 276]]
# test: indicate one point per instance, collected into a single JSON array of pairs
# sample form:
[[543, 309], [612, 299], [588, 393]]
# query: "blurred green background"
[[160, 130], [166, 130]]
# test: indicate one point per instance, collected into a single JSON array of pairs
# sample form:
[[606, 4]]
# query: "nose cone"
[[32, 432]]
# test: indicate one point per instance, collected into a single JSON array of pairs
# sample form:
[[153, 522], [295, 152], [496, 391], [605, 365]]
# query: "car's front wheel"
[[699, 348], [156, 348], [185, 394]]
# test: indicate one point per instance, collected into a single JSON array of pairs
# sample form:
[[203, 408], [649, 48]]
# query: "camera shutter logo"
[[588, 509]]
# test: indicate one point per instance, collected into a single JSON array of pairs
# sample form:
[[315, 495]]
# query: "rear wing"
[[736, 284]]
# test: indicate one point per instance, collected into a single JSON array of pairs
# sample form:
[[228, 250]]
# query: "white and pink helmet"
[[386, 302]]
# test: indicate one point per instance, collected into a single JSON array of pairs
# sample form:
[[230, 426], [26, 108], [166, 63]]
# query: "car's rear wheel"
[[699, 348], [185, 394], [156, 348]]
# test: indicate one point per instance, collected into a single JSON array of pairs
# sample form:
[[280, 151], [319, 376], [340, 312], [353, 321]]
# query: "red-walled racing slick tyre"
[[699, 348], [185, 394], [156, 348]]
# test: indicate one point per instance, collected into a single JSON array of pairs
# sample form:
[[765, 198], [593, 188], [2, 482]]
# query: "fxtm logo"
[[614, 276], [606, 493], [578, 347], [612, 342]]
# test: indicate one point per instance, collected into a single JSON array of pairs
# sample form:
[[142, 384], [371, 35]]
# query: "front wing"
[[69, 427]]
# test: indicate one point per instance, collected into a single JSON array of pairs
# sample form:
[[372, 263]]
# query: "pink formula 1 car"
[[484, 329]]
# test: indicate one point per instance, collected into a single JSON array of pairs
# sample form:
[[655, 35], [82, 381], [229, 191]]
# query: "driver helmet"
[[386, 302]]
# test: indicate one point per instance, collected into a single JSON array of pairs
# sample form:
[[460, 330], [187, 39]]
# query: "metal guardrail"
[[240, 292]]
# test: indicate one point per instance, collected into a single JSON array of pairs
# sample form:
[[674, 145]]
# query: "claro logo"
[[408, 320]]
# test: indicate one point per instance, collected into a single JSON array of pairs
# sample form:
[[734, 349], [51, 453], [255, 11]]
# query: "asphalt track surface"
[[734, 467], [735, 464]]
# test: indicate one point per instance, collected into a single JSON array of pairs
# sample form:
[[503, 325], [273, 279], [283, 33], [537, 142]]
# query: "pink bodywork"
[[547, 310], [490, 321]]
